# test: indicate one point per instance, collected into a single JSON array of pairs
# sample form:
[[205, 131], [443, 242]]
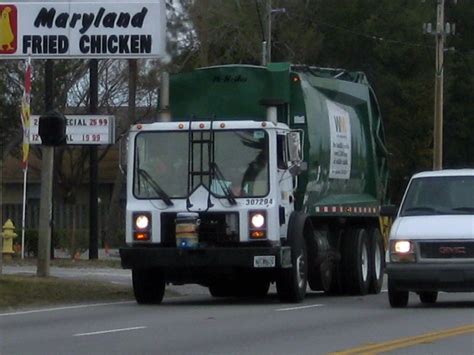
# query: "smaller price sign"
[[87, 129]]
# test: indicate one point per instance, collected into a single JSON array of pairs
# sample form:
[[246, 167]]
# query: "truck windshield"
[[240, 158], [439, 196]]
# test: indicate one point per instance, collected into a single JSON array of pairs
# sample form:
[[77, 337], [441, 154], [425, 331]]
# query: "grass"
[[26, 291]]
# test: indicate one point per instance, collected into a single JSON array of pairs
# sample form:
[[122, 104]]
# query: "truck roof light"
[[201, 125], [181, 126], [264, 124], [222, 125], [139, 126]]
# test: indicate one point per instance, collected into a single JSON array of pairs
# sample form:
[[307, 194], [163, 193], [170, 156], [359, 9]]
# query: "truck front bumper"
[[455, 277], [170, 258]]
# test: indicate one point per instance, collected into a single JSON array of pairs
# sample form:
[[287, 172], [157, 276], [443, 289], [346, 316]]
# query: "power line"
[[375, 37]]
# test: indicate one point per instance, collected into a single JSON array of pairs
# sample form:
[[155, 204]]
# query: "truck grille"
[[447, 250], [216, 229]]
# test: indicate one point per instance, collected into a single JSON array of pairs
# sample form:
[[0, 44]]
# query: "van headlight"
[[402, 251]]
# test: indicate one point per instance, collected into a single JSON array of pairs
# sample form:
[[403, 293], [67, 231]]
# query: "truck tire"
[[320, 266], [355, 261], [291, 283], [148, 285], [396, 298], [428, 297], [377, 261]]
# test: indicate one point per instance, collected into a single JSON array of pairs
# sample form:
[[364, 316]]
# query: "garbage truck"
[[261, 175]]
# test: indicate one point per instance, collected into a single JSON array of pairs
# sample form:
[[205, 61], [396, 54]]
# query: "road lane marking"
[[408, 341], [298, 308], [109, 331], [63, 308]]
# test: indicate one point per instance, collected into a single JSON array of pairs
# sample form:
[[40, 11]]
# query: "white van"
[[431, 245]]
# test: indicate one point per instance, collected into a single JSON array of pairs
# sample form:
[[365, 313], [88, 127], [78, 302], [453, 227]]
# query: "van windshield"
[[161, 164], [439, 196]]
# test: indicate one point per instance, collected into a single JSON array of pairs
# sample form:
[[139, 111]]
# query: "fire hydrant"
[[8, 234]]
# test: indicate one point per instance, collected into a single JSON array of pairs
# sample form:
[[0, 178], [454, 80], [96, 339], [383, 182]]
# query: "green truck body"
[[237, 92]]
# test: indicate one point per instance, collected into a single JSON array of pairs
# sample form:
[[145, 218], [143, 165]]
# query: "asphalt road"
[[196, 323]]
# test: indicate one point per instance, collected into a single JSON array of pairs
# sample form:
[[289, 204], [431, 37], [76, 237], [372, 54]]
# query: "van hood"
[[433, 227]]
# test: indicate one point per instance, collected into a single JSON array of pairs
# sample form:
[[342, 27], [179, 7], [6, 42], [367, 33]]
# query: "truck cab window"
[[281, 152]]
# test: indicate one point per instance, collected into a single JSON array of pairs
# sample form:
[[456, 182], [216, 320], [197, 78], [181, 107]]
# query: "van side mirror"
[[388, 210]]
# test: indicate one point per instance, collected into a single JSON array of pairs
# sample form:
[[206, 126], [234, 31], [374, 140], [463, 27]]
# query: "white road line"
[[298, 308], [109, 331], [63, 308]]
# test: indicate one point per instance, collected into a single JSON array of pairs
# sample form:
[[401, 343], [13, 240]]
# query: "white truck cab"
[[431, 245]]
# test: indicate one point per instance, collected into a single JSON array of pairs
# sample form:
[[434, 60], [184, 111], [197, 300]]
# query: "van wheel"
[[355, 259], [377, 261], [428, 297], [148, 285], [396, 298], [291, 283]]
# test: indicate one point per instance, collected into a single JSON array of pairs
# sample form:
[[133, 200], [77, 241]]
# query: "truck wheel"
[[377, 261], [148, 285], [396, 298], [291, 283], [355, 261], [428, 297], [320, 266]]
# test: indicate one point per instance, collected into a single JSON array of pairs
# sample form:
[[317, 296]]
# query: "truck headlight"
[[402, 251], [142, 222], [257, 225], [141, 226]]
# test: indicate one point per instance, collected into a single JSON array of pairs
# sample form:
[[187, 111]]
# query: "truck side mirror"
[[295, 151]]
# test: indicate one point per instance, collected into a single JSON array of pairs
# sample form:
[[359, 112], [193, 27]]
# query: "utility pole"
[[438, 108], [46, 202], [93, 165], [440, 35], [267, 44], [268, 36], [1, 205]]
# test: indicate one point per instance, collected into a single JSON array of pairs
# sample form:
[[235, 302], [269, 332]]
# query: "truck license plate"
[[264, 261]]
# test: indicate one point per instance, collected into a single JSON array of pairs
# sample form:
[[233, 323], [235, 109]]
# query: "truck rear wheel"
[[148, 285], [377, 261], [292, 282], [355, 260]]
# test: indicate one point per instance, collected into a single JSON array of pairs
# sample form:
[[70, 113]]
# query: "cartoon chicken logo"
[[8, 29]]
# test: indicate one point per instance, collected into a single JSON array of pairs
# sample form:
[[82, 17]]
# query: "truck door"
[[285, 184]]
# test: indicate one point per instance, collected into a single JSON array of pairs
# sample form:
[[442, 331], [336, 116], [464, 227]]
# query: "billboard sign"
[[82, 129], [82, 29]]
